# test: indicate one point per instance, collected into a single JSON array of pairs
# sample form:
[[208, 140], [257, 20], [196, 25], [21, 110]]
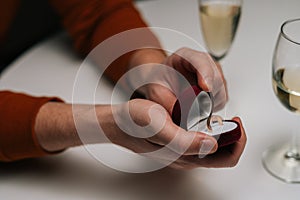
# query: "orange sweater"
[[88, 22]]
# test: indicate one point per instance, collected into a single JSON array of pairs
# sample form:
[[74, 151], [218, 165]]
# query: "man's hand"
[[145, 128], [190, 66]]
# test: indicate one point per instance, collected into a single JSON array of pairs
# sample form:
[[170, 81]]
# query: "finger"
[[200, 67], [162, 96], [227, 156], [165, 156], [179, 165], [210, 161], [220, 99], [195, 62], [183, 142], [153, 151], [239, 146], [203, 66], [224, 157], [209, 76], [158, 152]]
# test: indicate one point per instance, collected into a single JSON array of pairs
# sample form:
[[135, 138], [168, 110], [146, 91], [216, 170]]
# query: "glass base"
[[282, 163]]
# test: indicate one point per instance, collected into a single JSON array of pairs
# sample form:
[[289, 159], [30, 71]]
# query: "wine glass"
[[283, 161], [219, 22]]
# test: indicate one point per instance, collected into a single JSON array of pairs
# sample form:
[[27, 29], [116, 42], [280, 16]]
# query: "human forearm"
[[18, 113], [139, 125], [55, 127], [71, 125], [145, 56]]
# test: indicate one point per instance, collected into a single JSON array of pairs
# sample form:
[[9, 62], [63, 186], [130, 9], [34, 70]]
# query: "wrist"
[[147, 55], [55, 128], [106, 115], [142, 57], [58, 126]]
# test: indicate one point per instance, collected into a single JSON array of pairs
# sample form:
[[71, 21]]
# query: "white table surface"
[[50, 69]]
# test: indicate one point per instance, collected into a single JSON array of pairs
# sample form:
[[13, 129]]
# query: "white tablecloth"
[[50, 69]]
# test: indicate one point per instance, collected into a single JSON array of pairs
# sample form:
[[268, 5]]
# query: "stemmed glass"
[[283, 161], [219, 22]]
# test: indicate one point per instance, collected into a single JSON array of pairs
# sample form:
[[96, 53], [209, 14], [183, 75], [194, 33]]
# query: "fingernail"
[[206, 147]]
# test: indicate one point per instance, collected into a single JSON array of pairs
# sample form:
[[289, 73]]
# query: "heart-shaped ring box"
[[187, 110]]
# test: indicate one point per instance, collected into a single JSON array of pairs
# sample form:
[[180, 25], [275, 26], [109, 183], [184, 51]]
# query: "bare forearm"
[[58, 125], [55, 128]]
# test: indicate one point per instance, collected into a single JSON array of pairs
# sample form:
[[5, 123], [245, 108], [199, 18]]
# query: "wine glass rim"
[[237, 2], [286, 35]]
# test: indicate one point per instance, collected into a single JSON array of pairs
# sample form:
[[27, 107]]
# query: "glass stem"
[[294, 151]]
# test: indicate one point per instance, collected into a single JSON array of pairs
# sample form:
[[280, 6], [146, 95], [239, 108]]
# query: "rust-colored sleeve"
[[17, 120], [89, 22]]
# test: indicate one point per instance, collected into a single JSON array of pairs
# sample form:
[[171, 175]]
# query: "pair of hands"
[[145, 126], [182, 149], [151, 127]]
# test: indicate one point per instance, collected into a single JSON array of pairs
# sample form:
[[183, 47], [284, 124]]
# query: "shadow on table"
[[69, 176]]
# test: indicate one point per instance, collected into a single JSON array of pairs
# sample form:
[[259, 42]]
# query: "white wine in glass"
[[219, 21], [283, 161]]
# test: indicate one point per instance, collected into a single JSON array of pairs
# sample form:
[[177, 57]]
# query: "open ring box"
[[191, 111]]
